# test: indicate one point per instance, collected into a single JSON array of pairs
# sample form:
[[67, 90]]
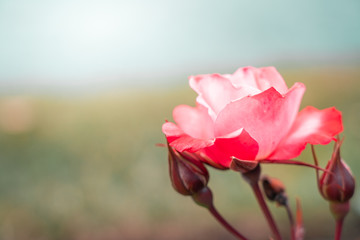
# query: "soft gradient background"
[[86, 85]]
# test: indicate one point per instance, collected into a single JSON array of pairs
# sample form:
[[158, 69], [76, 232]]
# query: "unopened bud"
[[274, 190], [188, 175], [338, 184]]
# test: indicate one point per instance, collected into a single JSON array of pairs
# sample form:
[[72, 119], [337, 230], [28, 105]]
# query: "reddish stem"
[[252, 177], [316, 164], [204, 198], [225, 224], [338, 228], [265, 210], [292, 162], [291, 220], [339, 211]]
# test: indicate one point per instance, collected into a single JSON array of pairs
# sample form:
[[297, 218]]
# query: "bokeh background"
[[86, 85]]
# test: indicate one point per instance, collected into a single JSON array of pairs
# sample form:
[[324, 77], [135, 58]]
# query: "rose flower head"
[[249, 115], [338, 184], [187, 173]]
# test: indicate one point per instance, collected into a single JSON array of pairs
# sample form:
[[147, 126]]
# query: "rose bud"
[[338, 184], [188, 175], [274, 190]]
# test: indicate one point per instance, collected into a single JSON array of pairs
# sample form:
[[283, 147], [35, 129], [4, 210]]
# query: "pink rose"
[[250, 115]]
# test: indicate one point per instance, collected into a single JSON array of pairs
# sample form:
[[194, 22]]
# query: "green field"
[[87, 167]]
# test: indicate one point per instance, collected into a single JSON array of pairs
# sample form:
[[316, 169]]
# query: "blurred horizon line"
[[43, 85]]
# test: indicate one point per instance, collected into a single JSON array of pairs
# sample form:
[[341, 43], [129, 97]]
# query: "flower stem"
[[225, 224], [317, 165], [338, 228], [252, 177], [265, 210], [204, 198], [339, 211], [291, 220]]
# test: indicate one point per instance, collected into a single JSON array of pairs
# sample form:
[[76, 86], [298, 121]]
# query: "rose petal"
[[267, 117], [172, 131], [311, 126], [245, 77], [270, 77], [206, 159], [215, 91], [195, 122], [260, 78], [181, 141], [238, 144]]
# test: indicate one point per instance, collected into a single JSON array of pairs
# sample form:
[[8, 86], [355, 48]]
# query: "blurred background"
[[86, 85]]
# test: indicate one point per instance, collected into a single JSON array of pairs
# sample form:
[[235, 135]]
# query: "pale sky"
[[76, 42]]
